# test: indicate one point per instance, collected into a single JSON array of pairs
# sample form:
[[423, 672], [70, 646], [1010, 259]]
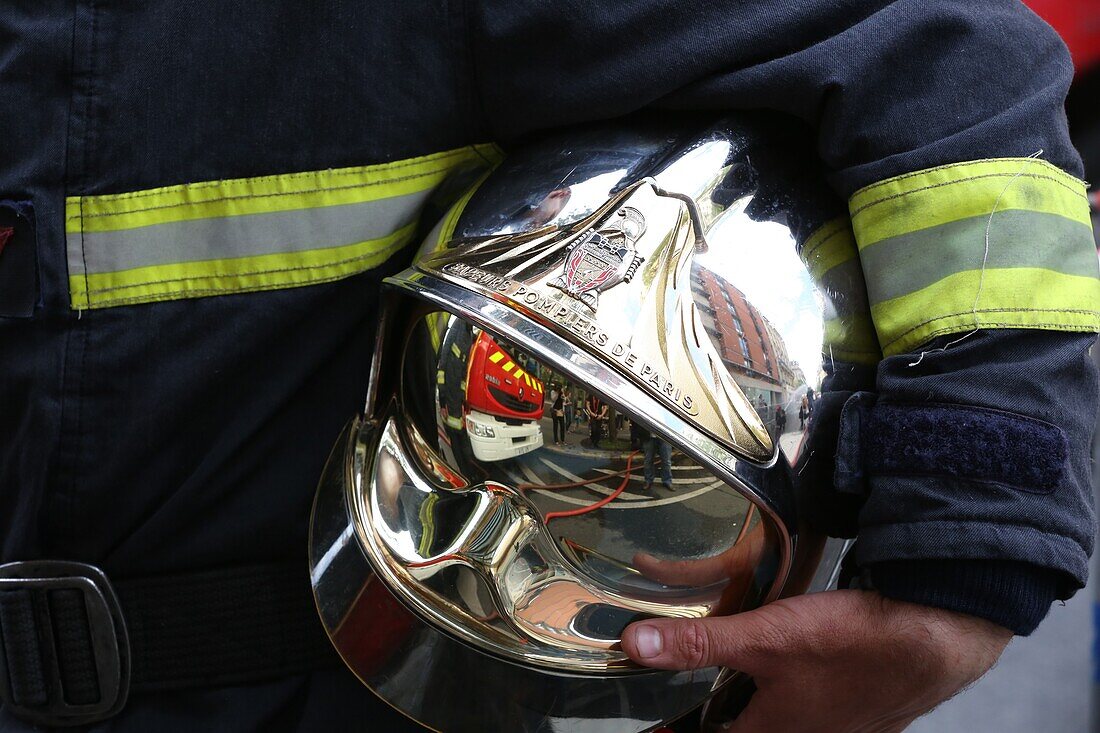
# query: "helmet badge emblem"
[[602, 258]]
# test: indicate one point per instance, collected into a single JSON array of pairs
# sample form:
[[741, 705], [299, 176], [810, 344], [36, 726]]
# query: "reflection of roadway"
[[699, 517], [688, 480]]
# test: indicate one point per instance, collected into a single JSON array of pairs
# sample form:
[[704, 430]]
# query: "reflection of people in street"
[[596, 410], [780, 419], [762, 409], [652, 444], [578, 412], [803, 413], [567, 408], [642, 439], [557, 414]]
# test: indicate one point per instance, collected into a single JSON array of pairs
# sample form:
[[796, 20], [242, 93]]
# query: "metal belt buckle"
[[38, 639]]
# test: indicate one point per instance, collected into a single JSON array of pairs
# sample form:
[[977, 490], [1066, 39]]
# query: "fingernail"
[[648, 641]]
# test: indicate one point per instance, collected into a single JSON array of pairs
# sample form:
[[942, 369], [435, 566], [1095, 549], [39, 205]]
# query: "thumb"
[[746, 642]]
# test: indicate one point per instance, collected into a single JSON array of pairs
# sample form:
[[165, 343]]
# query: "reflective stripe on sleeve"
[[247, 234], [831, 257], [1002, 243]]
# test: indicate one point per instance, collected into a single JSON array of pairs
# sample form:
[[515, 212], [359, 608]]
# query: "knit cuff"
[[1016, 595]]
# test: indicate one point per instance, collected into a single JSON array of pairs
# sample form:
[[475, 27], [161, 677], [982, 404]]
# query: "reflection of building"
[[748, 344], [790, 374]]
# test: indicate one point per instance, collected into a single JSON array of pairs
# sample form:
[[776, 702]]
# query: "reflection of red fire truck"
[[503, 403]]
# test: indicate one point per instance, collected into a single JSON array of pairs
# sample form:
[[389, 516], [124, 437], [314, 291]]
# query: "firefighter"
[[198, 201]]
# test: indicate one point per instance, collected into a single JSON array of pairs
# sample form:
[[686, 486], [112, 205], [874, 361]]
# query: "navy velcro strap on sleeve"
[[850, 474], [970, 443]]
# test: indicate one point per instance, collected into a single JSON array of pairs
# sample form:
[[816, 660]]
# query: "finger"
[[743, 642]]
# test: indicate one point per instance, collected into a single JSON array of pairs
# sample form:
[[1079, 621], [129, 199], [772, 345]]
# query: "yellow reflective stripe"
[[925, 238], [495, 358], [519, 373], [1010, 298], [426, 515], [264, 194], [440, 377], [831, 245], [936, 196], [538, 386], [247, 234], [456, 351], [508, 367], [453, 422], [831, 256], [436, 324], [446, 227], [852, 339], [243, 274]]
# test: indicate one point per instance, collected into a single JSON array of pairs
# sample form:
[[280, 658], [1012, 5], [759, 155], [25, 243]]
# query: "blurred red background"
[[1078, 21]]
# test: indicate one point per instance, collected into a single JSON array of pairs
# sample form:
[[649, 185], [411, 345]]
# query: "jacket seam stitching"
[[359, 170], [840, 230], [903, 194], [984, 324], [934, 474], [985, 523], [477, 98], [975, 522], [924, 171], [175, 294], [82, 216]]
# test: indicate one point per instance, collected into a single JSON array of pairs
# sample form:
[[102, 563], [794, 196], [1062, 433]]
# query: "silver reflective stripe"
[[278, 232], [909, 262]]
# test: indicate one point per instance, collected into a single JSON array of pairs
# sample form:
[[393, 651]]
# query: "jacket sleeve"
[[942, 124]]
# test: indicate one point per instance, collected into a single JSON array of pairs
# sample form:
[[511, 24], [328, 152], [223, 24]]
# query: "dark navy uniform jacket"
[[165, 410]]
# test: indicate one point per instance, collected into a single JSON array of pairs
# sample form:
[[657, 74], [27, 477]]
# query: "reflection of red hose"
[[602, 502], [745, 524]]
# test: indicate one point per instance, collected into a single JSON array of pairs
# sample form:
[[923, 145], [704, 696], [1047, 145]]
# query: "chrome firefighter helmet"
[[584, 411]]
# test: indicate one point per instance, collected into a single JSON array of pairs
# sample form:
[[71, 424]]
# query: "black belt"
[[73, 644]]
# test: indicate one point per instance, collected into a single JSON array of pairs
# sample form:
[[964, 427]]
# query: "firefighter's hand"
[[841, 661]]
